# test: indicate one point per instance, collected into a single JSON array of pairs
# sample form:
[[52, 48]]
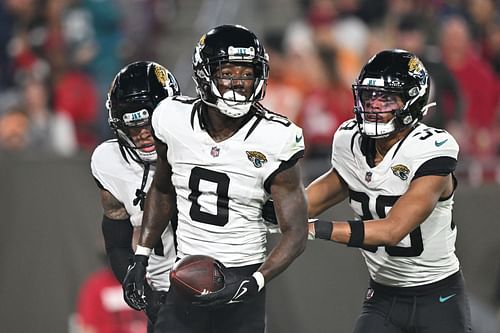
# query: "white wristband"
[[260, 279], [144, 251]]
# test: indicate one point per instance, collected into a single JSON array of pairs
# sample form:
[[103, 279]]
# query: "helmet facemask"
[[371, 107], [391, 76], [224, 47], [135, 120]]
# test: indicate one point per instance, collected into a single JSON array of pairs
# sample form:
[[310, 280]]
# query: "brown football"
[[196, 275]]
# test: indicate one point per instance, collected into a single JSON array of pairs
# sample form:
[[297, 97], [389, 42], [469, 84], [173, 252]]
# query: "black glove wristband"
[[323, 229], [357, 233], [141, 259]]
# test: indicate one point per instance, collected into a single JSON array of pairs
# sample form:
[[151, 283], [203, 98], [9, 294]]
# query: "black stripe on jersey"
[[197, 110], [438, 166], [367, 147], [352, 143], [99, 184], [283, 166], [252, 128]]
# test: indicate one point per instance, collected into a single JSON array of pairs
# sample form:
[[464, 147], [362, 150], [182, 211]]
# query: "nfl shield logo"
[[215, 151], [368, 176]]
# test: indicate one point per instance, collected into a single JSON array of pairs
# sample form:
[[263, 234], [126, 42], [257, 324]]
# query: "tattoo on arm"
[[113, 208]]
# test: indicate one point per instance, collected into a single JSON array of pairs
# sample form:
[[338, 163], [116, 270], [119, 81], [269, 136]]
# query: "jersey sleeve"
[[99, 165], [293, 147], [436, 154], [160, 131], [343, 141]]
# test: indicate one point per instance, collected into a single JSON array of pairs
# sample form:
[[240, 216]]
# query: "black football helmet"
[[134, 94], [392, 72], [229, 44]]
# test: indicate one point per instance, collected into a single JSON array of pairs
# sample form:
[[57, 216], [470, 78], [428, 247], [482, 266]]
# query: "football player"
[[398, 176], [123, 169], [221, 156]]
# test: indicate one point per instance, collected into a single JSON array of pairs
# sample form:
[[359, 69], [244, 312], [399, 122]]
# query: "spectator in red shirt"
[[477, 82], [75, 94], [101, 308], [325, 107]]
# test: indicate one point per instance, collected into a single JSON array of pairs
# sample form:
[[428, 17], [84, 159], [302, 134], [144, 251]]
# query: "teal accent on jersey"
[[440, 143]]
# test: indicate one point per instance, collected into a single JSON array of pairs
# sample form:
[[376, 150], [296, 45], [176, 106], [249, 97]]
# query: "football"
[[196, 275]]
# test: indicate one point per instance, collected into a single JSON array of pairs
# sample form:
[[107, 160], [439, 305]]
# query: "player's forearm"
[[293, 225], [290, 246], [117, 239], [159, 209], [358, 233], [325, 192]]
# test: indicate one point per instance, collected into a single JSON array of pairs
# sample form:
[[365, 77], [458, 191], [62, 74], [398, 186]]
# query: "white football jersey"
[[222, 186], [122, 179], [427, 254]]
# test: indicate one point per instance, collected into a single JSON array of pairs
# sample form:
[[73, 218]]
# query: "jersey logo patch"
[[215, 151], [257, 158], [444, 299], [401, 171], [440, 143]]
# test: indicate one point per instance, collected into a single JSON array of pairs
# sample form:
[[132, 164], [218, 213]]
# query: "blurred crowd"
[[56, 64], [315, 60], [60, 55]]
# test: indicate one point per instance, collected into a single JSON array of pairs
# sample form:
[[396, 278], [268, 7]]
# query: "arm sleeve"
[[118, 241]]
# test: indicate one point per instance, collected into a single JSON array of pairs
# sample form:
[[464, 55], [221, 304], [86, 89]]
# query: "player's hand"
[[236, 289], [134, 283], [268, 213]]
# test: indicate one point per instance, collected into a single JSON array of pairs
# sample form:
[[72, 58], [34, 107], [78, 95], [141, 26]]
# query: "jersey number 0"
[[222, 182]]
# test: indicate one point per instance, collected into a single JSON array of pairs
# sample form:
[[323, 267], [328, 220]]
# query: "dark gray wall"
[[51, 232]]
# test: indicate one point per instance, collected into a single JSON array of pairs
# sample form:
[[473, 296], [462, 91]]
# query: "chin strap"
[[140, 195], [427, 107]]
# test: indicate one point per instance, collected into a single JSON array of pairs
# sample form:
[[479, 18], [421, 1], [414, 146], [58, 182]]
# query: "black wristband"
[[323, 229], [142, 259], [357, 233]]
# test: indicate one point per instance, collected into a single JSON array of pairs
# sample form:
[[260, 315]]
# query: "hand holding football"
[[196, 275]]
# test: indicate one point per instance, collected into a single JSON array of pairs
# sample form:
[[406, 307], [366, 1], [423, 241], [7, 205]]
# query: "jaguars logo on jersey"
[[401, 171], [257, 158]]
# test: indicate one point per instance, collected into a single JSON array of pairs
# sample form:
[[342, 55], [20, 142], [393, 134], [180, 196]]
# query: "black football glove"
[[236, 289], [268, 212], [134, 282]]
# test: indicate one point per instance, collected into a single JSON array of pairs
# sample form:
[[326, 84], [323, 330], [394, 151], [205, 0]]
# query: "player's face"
[[380, 106], [142, 138], [235, 77]]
